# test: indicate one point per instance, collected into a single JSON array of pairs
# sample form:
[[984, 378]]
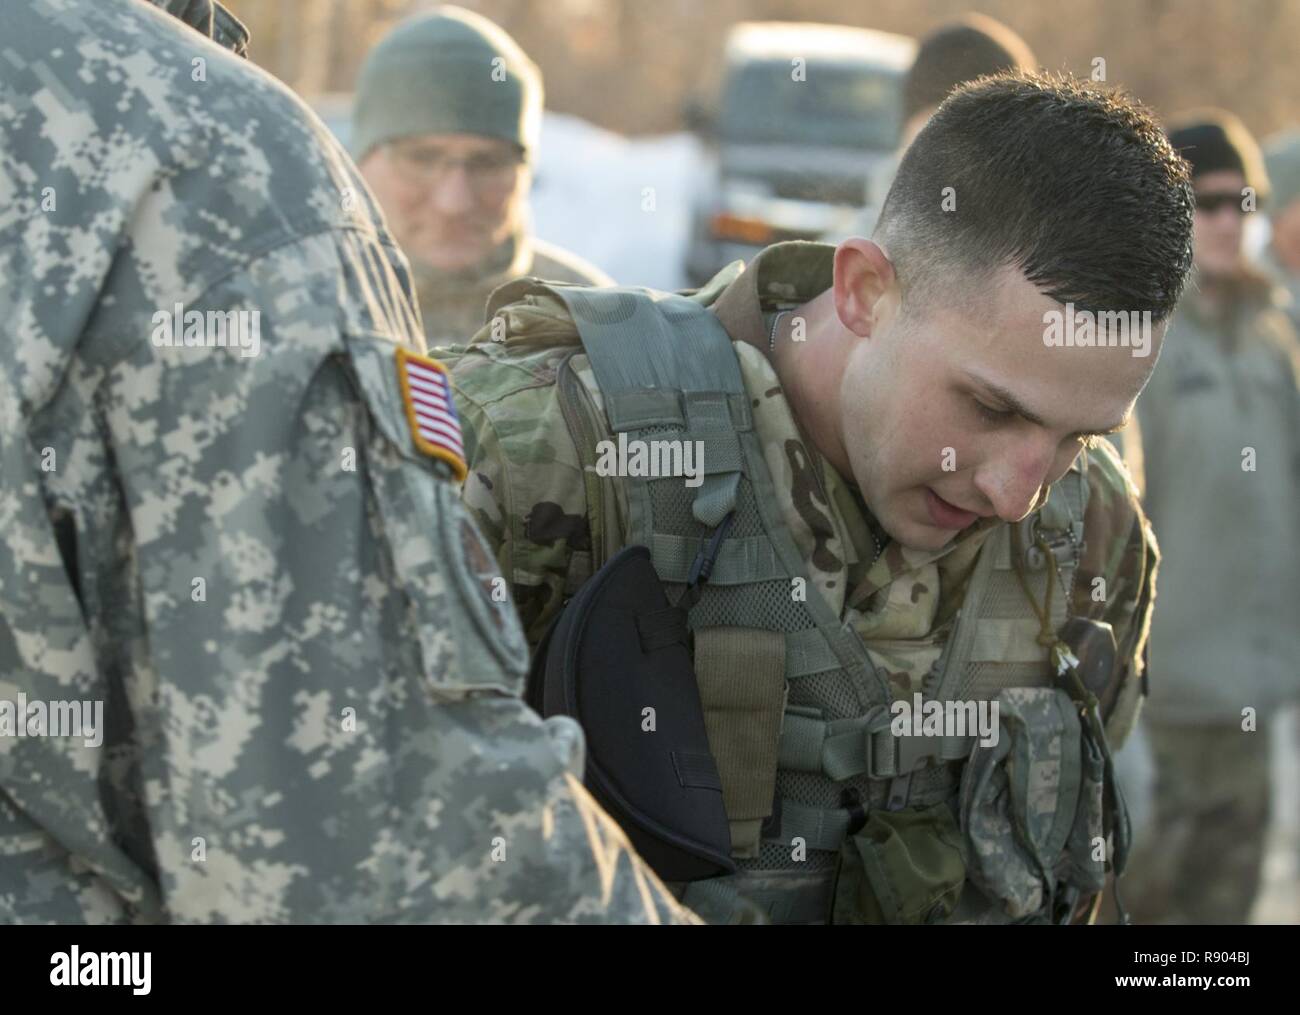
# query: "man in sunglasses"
[[1221, 426], [446, 125]]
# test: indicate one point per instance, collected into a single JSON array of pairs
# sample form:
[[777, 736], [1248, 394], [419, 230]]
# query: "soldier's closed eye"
[[994, 416], [990, 414]]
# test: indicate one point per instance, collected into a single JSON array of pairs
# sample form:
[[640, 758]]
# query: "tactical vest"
[[798, 717]]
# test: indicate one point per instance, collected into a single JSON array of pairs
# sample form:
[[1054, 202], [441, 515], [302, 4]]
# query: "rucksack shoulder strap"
[[662, 360]]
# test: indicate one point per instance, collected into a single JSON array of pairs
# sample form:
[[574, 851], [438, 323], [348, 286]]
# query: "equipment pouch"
[[1031, 805], [1081, 866], [901, 867]]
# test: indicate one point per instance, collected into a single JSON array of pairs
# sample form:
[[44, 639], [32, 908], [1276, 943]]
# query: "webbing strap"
[[781, 897], [808, 652], [741, 676], [717, 901], [820, 827], [739, 561], [843, 748], [836, 748], [1067, 501], [708, 420], [891, 755], [643, 345]]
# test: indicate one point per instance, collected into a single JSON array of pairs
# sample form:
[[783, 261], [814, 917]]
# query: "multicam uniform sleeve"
[[336, 717], [1116, 582], [525, 484]]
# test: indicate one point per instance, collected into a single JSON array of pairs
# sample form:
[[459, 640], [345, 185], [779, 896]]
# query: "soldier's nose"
[[453, 194], [1012, 489]]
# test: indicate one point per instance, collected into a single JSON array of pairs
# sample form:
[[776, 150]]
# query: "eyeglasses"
[[1210, 201], [486, 172]]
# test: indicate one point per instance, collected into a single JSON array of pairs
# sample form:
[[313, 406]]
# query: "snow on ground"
[[622, 203]]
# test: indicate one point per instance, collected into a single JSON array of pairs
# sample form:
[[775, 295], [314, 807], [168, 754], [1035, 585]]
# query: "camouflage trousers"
[[1201, 860]]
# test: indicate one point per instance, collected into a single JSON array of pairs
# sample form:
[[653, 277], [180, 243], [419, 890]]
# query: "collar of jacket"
[[781, 276], [510, 260]]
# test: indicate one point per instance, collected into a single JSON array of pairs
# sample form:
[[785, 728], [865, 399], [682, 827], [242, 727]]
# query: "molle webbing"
[[680, 372]]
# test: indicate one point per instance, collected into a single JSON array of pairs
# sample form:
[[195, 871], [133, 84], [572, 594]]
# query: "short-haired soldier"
[[897, 505]]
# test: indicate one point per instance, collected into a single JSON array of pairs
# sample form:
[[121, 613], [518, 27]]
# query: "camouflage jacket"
[[307, 701], [1227, 396], [526, 488]]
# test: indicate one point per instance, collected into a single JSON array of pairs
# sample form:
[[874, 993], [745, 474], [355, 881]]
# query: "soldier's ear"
[[864, 280]]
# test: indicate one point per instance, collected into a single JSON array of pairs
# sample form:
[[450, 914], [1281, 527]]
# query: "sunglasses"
[[1210, 202]]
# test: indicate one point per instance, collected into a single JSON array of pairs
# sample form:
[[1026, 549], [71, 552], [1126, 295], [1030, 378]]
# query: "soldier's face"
[[450, 199], [1219, 223], [960, 411]]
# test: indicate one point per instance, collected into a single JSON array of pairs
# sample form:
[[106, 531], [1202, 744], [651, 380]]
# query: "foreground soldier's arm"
[[309, 696], [278, 591]]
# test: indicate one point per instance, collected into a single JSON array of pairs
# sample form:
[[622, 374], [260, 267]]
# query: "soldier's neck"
[[809, 358]]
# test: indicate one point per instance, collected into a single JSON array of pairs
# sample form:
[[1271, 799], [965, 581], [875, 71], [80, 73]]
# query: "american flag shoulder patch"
[[430, 410]]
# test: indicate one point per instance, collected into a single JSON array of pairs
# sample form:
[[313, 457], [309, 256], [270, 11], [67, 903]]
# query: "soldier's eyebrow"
[[1020, 409]]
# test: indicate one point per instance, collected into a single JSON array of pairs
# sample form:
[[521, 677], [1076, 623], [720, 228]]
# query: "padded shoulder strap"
[[662, 360]]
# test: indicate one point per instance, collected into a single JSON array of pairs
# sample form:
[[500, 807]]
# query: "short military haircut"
[[1076, 186], [957, 52]]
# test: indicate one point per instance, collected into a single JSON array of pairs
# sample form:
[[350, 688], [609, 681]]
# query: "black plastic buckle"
[[852, 802], [702, 565]]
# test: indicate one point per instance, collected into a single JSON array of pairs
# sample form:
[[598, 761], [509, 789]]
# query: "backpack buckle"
[[702, 565]]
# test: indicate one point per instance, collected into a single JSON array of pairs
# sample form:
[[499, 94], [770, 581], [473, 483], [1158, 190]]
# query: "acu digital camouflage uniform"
[[527, 488], [228, 787]]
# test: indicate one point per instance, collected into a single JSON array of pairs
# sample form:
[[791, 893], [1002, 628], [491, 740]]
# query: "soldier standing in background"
[[248, 551], [1221, 431], [1282, 255], [446, 126]]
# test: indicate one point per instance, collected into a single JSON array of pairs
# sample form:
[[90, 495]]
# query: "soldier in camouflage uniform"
[[310, 700], [859, 363], [1226, 397], [446, 128]]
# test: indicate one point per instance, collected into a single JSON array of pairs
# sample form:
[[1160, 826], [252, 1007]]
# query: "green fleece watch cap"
[[448, 72]]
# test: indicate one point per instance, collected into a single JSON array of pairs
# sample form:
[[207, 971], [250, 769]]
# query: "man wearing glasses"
[[1221, 429], [445, 130]]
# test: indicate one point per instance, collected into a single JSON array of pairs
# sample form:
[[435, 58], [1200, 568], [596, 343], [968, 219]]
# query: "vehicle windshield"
[[838, 105]]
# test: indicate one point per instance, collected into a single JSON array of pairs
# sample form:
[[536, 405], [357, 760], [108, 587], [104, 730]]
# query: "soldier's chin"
[[913, 527], [454, 256], [455, 249]]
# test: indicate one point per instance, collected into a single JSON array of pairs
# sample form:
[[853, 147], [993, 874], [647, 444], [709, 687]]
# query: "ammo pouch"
[[1032, 808], [617, 651], [901, 867]]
